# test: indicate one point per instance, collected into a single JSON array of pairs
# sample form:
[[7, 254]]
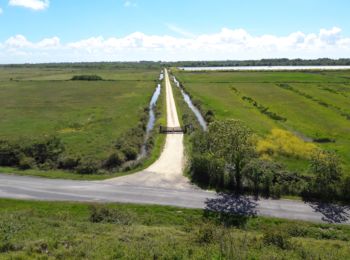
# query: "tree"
[[346, 189], [231, 141], [254, 174], [206, 169], [262, 175], [328, 173]]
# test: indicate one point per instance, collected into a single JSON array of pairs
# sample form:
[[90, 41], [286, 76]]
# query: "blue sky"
[[34, 30]]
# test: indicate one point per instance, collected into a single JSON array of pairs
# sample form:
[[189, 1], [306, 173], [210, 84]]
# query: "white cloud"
[[21, 42], [330, 36], [36, 5], [18, 41], [53, 42], [225, 44], [1, 11]]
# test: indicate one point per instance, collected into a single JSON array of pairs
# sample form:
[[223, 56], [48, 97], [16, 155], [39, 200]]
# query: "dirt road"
[[163, 183], [166, 172]]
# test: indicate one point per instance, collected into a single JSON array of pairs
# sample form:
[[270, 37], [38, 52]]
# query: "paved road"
[[163, 183]]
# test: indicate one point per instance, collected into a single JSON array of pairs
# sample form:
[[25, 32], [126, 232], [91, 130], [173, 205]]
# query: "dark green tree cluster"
[[224, 158], [264, 62], [328, 182], [87, 77]]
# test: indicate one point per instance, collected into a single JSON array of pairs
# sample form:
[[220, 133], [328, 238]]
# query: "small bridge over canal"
[[175, 130]]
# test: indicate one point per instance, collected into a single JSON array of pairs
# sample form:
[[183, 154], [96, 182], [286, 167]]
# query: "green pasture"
[[61, 73], [89, 116], [222, 92]]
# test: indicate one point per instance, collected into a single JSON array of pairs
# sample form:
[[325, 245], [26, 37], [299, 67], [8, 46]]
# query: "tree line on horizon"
[[203, 63], [265, 62]]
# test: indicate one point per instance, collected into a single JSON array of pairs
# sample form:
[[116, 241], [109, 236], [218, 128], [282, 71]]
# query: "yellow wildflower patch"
[[282, 142]]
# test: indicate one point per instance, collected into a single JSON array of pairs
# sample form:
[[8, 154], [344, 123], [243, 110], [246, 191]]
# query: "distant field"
[[61, 73], [312, 105], [87, 115]]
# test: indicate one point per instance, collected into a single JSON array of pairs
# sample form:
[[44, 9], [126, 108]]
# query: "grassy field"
[[61, 230], [89, 116], [61, 73], [313, 105]]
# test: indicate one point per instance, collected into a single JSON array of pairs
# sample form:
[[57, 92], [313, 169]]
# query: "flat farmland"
[[88, 116], [23, 73], [311, 105]]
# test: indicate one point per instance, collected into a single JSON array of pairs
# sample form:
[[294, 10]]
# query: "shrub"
[[9, 154], [130, 152], [200, 169], [8, 229], [87, 77], [150, 143], [207, 170], [296, 230], [87, 167], [346, 189], [277, 238], [116, 159], [261, 177], [290, 183], [48, 165], [26, 163], [209, 116], [206, 233], [67, 162], [103, 214], [131, 142], [323, 140], [45, 150]]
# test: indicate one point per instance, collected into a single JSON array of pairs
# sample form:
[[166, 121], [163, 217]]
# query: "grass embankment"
[[61, 230], [314, 107], [87, 116]]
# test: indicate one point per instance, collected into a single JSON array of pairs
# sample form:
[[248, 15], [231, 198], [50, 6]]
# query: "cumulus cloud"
[[18, 41], [225, 44], [21, 42], [36, 5], [53, 42]]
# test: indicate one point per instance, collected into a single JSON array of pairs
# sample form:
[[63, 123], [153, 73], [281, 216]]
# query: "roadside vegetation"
[[66, 230], [225, 158], [268, 140], [56, 127]]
